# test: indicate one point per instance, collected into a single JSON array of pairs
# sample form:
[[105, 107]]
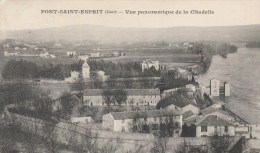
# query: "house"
[[101, 76], [82, 120], [134, 97], [184, 107], [73, 78], [124, 121], [241, 127], [57, 103], [71, 53], [214, 125], [191, 87], [169, 92], [148, 63]]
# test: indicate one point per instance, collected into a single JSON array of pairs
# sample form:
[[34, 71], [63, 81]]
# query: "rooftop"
[[210, 110], [212, 120], [143, 114], [187, 114]]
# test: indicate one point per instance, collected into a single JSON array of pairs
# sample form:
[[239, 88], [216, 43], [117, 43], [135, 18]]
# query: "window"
[[204, 128], [123, 121], [226, 128], [123, 129]]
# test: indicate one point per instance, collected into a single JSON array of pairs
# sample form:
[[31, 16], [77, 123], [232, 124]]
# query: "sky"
[[21, 14]]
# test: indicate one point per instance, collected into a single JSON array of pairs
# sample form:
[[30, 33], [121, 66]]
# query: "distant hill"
[[105, 34]]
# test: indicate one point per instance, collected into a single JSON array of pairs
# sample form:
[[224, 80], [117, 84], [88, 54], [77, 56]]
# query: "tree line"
[[23, 69]]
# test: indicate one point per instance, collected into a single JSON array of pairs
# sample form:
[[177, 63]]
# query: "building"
[[74, 77], [213, 125], [124, 121], [148, 63], [57, 103], [191, 87], [94, 97], [169, 92], [184, 107], [85, 71], [71, 53], [241, 127], [95, 54], [226, 89], [214, 87], [83, 57], [101, 76]]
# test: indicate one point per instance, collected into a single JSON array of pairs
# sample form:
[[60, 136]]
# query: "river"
[[242, 71]]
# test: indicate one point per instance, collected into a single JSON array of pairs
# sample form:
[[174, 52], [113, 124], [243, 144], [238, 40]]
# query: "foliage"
[[22, 69], [108, 96], [220, 144], [120, 96], [160, 145], [114, 96]]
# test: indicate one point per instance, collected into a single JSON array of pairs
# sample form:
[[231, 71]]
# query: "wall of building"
[[150, 100], [255, 131], [211, 131]]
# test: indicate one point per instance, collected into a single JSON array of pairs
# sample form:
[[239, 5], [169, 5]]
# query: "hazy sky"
[[21, 14]]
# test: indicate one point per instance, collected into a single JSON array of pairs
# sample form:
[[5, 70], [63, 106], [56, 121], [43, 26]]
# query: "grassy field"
[[162, 56]]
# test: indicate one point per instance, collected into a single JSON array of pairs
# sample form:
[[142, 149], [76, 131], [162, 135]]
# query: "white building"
[[184, 107], [124, 121], [72, 53], [191, 87], [95, 54], [169, 92], [85, 71], [74, 77], [148, 63], [45, 55], [101, 76], [83, 57], [213, 125], [214, 87], [94, 97], [226, 89]]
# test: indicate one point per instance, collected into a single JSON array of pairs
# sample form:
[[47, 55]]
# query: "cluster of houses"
[[29, 54]]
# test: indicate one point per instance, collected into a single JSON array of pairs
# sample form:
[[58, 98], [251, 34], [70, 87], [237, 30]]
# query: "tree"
[[160, 145], [8, 138], [120, 96], [220, 144], [108, 97], [50, 137], [67, 105]]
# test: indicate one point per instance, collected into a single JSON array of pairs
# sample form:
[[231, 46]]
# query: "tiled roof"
[[187, 114], [212, 120], [210, 110], [143, 114], [98, 92], [181, 104]]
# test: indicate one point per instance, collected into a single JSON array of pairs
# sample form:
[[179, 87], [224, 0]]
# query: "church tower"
[[85, 71]]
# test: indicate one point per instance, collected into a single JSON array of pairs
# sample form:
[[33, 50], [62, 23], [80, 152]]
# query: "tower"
[[85, 71], [226, 89], [214, 87]]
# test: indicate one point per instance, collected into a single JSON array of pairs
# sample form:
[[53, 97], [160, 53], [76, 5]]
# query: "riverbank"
[[207, 51]]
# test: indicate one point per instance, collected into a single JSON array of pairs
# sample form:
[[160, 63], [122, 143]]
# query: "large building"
[[214, 87], [147, 97], [148, 63], [124, 121]]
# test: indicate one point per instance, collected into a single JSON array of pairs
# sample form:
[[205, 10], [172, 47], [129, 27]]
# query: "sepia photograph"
[[129, 76]]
